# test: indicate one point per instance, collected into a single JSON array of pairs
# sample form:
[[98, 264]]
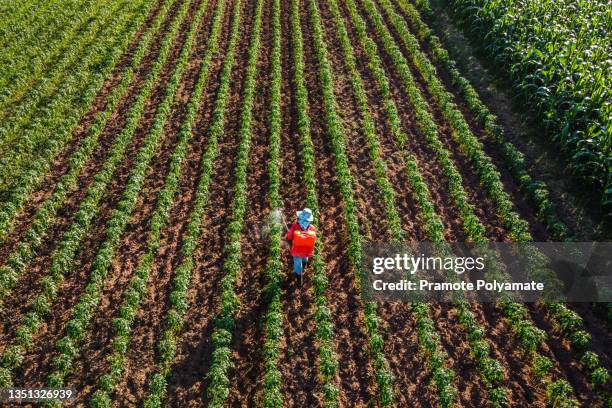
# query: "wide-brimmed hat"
[[305, 214]]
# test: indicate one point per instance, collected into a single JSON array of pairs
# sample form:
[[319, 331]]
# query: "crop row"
[[69, 346], [138, 285], [384, 378], [45, 59], [62, 259], [273, 326], [23, 42], [17, 16], [30, 176], [223, 323], [528, 334], [46, 215], [175, 315], [429, 340], [324, 334], [490, 369], [557, 59], [27, 127], [490, 180]]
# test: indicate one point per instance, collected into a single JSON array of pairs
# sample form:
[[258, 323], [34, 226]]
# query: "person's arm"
[[289, 236]]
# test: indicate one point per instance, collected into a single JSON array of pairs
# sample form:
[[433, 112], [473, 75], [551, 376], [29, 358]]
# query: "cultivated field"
[[143, 145]]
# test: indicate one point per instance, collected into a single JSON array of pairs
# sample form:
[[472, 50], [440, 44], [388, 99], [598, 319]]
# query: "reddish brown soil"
[[357, 384], [248, 371], [28, 287], [36, 365], [61, 165], [477, 194], [299, 348], [298, 362], [133, 245], [207, 273]]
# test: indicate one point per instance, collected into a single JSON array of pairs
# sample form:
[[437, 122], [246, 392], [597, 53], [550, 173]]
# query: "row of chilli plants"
[[175, 315], [138, 286], [223, 323], [443, 377], [273, 321], [25, 65], [556, 55], [68, 348], [324, 334], [23, 168], [567, 321], [19, 17], [63, 257], [335, 132], [21, 132], [46, 215], [20, 27], [429, 340]]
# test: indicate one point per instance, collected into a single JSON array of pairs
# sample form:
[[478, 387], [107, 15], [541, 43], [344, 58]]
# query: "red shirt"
[[296, 251]]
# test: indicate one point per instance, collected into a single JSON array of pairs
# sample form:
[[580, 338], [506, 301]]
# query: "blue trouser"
[[298, 264]]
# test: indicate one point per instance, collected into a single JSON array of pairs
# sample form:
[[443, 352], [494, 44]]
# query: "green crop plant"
[[31, 176], [46, 57], [174, 318], [46, 215], [335, 131], [63, 258], [223, 324], [117, 224], [33, 140], [328, 359], [273, 326], [535, 190], [159, 220], [558, 62]]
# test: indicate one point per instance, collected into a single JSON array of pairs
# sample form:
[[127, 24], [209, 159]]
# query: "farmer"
[[302, 235]]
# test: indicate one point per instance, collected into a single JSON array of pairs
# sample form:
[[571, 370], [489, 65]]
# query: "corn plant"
[[558, 62], [535, 190], [490, 179]]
